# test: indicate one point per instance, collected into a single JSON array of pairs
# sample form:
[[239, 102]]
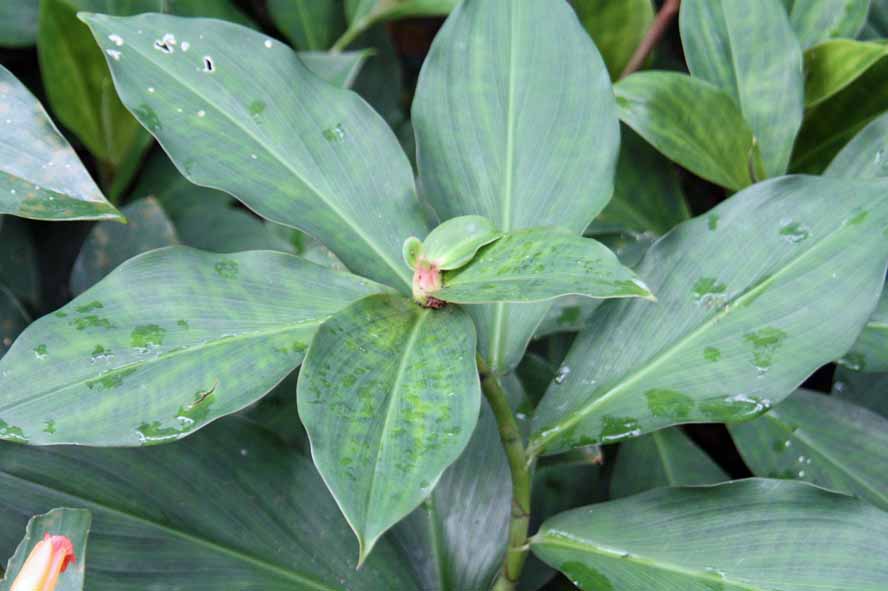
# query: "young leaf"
[[728, 336], [617, 27], [540, 264], [748, 50], [230, 508], [389, 395], [108, 245], [833, 65], [40, 175], [169, 341], [534, 82], [18, 23], [667, 109], [750, 535], [71, 523], [319, 159], [311, 25], [865, 156], [863, 389], [818, 20], [453, 243], [663, 458], [820, 439]]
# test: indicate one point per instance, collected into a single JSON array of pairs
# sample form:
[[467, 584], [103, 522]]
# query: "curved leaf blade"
[[818, 20], [783, 535], [865, 156], [864, 389], [40, 175], [832, 66], [318, 159], [389, 395], [870, 352], [13, 319], [171, 340], [500, 115], [617, 27], [311, 25], [732, 336]]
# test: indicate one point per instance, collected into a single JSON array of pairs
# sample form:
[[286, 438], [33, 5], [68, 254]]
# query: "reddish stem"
[[653, 36]]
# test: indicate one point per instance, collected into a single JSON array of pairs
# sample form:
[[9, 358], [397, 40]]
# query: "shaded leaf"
[[176, 194], [18, 260], [18, 23], [863, 389], [617, 27], [227, 229], [818, 20], [13, 319], [870, 352], [833, 65], [311, 25], [865, 156], [535, 83], [340, 69], [169, 341], [783, 535], [732, 334], [389, 395], [363, 14]]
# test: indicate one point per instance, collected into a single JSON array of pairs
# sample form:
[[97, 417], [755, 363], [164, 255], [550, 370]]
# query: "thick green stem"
[[516, 551]]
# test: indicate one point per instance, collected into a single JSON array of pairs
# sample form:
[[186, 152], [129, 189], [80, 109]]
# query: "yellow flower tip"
[[47, 560]]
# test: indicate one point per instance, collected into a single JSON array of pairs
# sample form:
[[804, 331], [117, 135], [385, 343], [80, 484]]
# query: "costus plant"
[[403, 358]]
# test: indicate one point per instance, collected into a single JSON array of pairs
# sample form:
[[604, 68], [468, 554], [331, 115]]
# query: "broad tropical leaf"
[[820, 439], [663, 458], [230, 508], [72, 523], [311, 25], [748, 50], [749, 535], [169, 341], [40, 175], [833, 65], [665, 109], [389, 395], [541, 264], [728, 337], [865, 156], [818, 20], [864, 389], [319, 159], [530, 70], [616, 26]]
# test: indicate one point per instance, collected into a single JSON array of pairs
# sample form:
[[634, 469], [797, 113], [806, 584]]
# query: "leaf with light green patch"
[[169, 341], [540, 264], [311, 25], [783, 535], [226, 113], [815, 21], [617, 27], [389, 395], [534, 81], [40, 175], [74, 524], [732, 334], [833, 65]]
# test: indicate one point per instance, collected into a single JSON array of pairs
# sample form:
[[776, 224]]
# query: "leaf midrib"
[[199, 541]]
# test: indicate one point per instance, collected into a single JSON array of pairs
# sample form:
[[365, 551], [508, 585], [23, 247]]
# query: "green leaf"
[[404, 405], [732, 334], [865, 156], [310, 25], [864, 389], [169, 341], [13, 319], [667, 109], [363, 14], [40, 175], [818, 20], [340, 69], [227, 229], [876, 26], [617, 27], [647, 191], [18, 260], [380, 81], [540, 264], [230, 508], [18, 23], [319, 159], [870, 352], [750, 535], [823, 440], [160, 180], [453, 244], [72, 523], [501, 114], [833, 65], [663, 458], [108, 245], [748, 50]]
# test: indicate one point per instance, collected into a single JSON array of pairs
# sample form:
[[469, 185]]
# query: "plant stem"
[[652, 37], [516, 551]]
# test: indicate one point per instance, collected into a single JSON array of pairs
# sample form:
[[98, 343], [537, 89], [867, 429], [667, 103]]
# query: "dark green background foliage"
[[446, 295]]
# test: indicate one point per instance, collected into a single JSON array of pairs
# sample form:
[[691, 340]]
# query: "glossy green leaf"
[[319, 159], [863, 389], [540, 264], [515, 121], [363, 14], [616, 26], [748, 50], [169, 341], [665, 109], [453, 243], [870, 352], [340, 69], [818, 20], [729, 336], [749, 535], [108, 244], [311, 25], [833, 65], [389, 395], [18, 23], [820, 439], [865, 156], [40, 175], [663, 458], [72, 523], [13, 319], [18, 260], [230, 508]]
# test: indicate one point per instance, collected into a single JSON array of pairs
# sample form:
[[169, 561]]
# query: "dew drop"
[[116, 39], [185, 45], [268, 43], [201, 113], [335, 134], [562, 374], [114, 54]]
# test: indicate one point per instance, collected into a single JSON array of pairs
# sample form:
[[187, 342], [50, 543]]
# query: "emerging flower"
[[47, 560]]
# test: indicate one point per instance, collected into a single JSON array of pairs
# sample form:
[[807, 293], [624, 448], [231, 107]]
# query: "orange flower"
[[47, 560]]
